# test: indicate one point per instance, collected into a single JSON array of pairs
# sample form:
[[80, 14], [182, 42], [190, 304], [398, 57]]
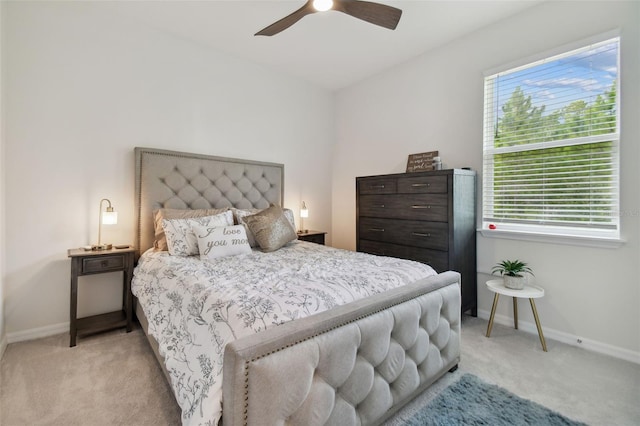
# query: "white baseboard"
[[3, 345], [37, 333], [569, 339], [528, 327]]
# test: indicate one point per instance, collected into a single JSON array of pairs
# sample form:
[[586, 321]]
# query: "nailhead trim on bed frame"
[[247, 363]]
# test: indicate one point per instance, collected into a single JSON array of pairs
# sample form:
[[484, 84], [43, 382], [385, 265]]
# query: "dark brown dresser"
[[425, 216]]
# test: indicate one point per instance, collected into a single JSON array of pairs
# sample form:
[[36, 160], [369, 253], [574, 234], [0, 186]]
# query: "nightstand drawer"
[[102, 264]]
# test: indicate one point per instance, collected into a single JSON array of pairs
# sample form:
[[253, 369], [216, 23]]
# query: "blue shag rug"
[[470, 401]]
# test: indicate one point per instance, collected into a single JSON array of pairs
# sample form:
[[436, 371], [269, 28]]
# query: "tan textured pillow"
[[160, 243], [271, 228], [240, 214]]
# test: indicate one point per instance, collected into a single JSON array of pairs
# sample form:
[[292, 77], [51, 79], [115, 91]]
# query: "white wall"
[[435, 102], [3, 340], [83, 89]]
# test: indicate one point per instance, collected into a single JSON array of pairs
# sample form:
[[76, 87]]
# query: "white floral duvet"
[[195, 307]]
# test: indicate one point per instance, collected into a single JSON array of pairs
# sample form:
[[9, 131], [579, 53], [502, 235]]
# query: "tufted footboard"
[[356, 364]]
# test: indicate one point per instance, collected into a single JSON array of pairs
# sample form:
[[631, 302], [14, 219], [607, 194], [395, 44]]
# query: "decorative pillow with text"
[[214, 242], [181, 240], [160, 243]]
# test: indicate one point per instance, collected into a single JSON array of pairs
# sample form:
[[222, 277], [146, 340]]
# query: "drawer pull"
[[376, 229], [420, 234], [104, 263], [420, 185], [420, 207], [377, 186], [380, 206]]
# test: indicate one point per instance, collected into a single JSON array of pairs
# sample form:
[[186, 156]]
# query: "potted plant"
[[512, 272]]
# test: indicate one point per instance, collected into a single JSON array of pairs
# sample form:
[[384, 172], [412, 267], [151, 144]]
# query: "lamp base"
[[97, 247]]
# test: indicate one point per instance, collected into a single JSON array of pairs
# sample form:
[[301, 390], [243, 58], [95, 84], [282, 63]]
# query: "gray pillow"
[[271, 228]]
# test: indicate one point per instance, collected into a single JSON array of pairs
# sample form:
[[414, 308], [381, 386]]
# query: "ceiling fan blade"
[[374, 13], [288, 20]]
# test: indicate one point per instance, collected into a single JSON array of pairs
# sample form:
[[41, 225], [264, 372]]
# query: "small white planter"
[[514, 283]]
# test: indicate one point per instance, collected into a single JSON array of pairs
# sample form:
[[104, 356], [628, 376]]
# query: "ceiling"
[[330, 49]]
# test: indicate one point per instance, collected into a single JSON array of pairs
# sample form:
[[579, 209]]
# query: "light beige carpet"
[[114, 379], [108, 379]]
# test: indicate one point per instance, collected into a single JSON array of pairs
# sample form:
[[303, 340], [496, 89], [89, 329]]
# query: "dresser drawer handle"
[[419, 185], [420, 234], [104, 263], [376, 229], [420, 207], [377, 186], [380, 206]]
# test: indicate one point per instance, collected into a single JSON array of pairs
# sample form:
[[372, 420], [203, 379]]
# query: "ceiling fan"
[[374, 13]]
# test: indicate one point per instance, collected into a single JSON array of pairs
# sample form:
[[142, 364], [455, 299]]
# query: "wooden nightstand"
[[85, 262], [312, 236]]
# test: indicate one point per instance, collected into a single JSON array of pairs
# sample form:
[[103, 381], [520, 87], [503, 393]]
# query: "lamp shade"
[[109, 218]]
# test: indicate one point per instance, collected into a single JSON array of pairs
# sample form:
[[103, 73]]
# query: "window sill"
[[611, 243]]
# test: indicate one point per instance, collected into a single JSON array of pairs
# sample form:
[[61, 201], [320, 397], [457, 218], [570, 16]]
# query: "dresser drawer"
[[384, 185], [433, 235], [102, 263], [432, 207], [438, 260], [422, 185]]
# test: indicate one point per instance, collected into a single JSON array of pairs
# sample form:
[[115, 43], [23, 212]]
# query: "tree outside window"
[[551, 145]]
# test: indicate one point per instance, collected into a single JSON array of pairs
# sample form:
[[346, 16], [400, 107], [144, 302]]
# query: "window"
[[551, 136]]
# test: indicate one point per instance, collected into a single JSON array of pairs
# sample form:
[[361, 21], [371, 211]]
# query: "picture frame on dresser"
[[421, 162], [426, 216]]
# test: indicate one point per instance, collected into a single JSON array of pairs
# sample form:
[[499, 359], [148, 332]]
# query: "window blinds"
[[551, 145]]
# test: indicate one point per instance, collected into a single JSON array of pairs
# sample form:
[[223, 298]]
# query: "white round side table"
[[529, 291]]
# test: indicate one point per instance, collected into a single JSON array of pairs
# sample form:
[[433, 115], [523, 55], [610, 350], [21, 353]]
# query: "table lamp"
[[304, 212], [107, 217]]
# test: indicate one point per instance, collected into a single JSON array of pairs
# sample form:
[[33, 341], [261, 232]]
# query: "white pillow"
[[239, 215], [221, 241], [181, 240]]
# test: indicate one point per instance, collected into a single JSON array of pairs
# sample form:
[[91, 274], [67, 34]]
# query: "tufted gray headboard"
[[180, 180]]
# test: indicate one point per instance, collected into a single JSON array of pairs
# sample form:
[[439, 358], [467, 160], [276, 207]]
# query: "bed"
[[337, 353]]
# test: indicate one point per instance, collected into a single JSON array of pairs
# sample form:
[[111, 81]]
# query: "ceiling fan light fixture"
[[322, 5], [368, 11]]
